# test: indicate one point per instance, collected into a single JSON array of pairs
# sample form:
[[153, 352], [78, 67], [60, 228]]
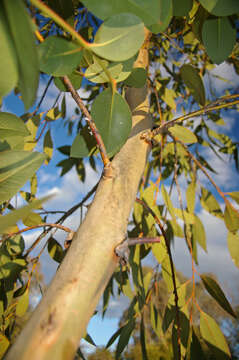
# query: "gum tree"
[[149, 119]]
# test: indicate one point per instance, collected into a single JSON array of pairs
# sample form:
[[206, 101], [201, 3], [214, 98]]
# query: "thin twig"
[[63, 217], [172, 270], [52, 225], [143, 240], [218, 104], [91, 123]]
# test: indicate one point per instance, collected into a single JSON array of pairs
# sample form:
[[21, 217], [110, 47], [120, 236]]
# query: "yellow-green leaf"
[[16, 168], [214, 337], [22, 304], [8, 61], [233, 246], [231, 218], [4, 345], [48, 146], [183, 134], [14, 216], [159, 250]]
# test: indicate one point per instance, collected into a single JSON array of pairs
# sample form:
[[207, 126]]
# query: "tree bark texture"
[[60, 320]]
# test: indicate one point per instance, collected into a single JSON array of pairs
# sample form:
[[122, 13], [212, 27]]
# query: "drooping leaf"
[[210, 204], [219, 38], [25, 47], [58, 56], [112, 116], [221, 7], [182, 7], [159, 250], [231, 218], [233, 246], [16, 168], [14, 216], [214, 337], [8, 61], [22, 304], [191, 195], [11, 125], [119, 37], [5, 343], [83, 144], [169, 97], [198, 233], [183, 134], [55, 250], [48, 146], [124, 337], [194, 83], [216, 292], [234, 195], [75, 78]]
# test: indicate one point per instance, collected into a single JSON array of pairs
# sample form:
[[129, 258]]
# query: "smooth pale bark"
[[60, 320]]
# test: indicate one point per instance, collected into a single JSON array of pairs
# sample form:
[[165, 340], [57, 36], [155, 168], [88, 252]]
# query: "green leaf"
[[233, 246], [124, 337], [58, 56], [55, 250], [32, 219], [148, 11], [89, 339], [14, 216], [5, 343], [216, 292], [194, 82], [168, 202], [231, 218], [11, 125], [181, 291], [164, 15], [183, 134], [221, 7], [234, 195], [64, 8], [137, 78], [191, 195], [75, 78], [198, 233], [210, 204], [219, 39], [119, 37], [23, 37], [159, 250], [184, 215], [22, 304], [48, 146], [8, 61], [16, 168], [119, 71], [83, 144], [15, 245], [112, 116], [214, 337], [167, 274], [182, 7], [169, 97]]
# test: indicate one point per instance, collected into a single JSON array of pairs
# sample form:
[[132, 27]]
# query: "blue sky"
[[69, 191]]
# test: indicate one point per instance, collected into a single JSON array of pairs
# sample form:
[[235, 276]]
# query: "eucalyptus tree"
[[149, 119]]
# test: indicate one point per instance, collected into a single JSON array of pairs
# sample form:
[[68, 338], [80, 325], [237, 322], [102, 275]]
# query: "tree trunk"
[[60, 320]]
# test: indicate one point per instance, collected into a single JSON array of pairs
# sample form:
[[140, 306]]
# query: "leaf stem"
[[61, 22], [91, 123]]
